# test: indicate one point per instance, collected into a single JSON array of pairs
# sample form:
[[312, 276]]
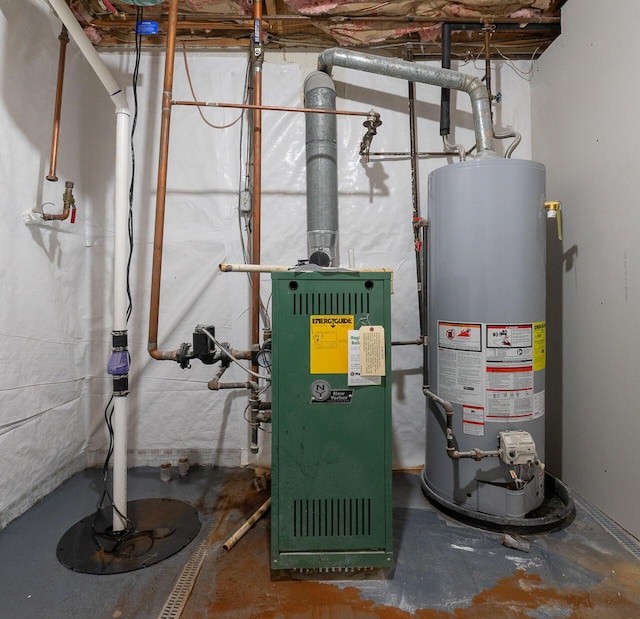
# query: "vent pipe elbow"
[[414, 72], [322, 170]]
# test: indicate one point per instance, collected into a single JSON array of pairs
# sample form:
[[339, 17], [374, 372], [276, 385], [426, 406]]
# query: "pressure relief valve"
[[554, 211]]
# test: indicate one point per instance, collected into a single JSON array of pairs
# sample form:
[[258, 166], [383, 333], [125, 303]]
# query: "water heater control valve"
[[517, 447]]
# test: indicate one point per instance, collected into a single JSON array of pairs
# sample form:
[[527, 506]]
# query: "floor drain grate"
[[615, 530], [178, 597]]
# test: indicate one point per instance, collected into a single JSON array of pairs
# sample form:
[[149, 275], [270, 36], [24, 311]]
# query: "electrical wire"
[[106, 494], [241, 117], [134, 122], [525, 75], [193, 94]]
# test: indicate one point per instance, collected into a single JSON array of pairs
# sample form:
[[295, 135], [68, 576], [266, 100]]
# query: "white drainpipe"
[[120, 253]]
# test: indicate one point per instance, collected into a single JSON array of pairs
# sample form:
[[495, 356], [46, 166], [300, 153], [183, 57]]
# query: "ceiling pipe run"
[[436, 76], [322, 170], [120, 256]]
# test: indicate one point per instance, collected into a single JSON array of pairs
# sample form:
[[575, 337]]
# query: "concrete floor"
[[590, 568]]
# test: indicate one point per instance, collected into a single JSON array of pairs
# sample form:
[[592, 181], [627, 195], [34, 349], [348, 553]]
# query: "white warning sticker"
[[509, 392], [538, 404], [460, 336], [489, 369], [473, 420]]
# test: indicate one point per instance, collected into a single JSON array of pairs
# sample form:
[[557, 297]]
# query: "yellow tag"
[[539, 345], [372, 354], [329, 344]]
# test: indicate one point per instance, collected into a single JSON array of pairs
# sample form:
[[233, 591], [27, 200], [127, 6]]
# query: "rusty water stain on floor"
[[238, 585]]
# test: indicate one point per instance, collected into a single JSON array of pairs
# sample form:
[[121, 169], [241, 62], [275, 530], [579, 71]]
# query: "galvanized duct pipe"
[[322, 170], [436, 76]]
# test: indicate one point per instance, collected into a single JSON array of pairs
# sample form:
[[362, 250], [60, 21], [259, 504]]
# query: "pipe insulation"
[[435, 76], [322, 170], [121, 240]]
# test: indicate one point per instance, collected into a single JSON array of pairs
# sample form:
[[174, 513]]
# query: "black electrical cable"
[[134, 122]]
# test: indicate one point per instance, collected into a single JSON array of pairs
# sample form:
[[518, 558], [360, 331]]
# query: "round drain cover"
[[159, 529]]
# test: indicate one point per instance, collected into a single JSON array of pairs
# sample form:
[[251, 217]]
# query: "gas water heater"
[[487, 338], [331, 418]]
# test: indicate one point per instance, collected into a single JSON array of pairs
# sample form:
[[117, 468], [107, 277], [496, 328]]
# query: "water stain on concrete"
[[238, 584]]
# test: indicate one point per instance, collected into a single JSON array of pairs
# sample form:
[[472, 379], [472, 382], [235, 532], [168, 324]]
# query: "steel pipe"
[[436, 76], [322, 170]]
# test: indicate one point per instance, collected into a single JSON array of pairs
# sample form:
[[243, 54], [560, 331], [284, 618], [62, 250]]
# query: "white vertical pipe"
[[120, 301], [121, 233]]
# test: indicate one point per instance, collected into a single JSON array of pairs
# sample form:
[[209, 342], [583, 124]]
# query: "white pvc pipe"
[[121, 235], [120, 302]]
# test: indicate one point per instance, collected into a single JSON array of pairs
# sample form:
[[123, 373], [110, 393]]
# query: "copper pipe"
[[64, 39], [161, 194], [274, 108], [257, 58]]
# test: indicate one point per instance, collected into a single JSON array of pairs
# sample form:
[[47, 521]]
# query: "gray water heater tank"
[[486, 300]]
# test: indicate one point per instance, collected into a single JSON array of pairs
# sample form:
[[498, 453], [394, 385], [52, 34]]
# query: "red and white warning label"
[[489, 370], [473, 420]]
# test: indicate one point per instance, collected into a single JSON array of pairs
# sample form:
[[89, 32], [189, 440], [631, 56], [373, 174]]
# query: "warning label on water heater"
[[509, 372], [460, 363], [489, 370]]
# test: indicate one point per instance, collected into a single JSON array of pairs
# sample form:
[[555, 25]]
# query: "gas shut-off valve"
[[518, 447]]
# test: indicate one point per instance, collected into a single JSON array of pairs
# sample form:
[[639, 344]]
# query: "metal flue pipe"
[[322, 170], [413, 72]]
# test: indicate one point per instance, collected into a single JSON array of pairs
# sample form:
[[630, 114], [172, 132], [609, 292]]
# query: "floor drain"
[[615, 530], [178, 597]]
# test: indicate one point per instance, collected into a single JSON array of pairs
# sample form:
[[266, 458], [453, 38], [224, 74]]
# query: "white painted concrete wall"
[[56, 307], [585, 129]]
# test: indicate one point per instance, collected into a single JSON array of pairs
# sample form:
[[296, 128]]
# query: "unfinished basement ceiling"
[[519, 28]]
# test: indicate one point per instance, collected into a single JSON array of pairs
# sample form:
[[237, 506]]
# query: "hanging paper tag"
[[354, 376], [372, 353]]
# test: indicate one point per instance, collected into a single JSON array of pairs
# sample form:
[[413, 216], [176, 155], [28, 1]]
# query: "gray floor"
[[590, 568]]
